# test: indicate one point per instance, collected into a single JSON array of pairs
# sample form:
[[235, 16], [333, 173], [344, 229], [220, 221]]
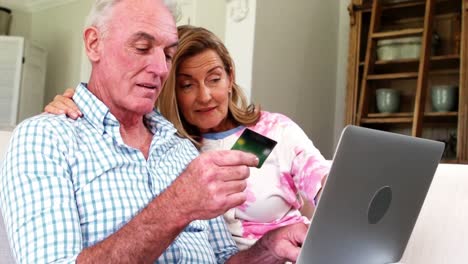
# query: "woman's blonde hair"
[[193, 41]]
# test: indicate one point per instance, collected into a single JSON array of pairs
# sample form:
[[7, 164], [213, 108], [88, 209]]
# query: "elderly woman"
[[203, 101]]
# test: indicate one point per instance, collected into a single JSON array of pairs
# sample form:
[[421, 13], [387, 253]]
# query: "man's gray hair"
[[102, 9]]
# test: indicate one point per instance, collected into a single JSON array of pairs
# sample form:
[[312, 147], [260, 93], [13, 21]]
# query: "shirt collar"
[[224, 134], [98, 114]]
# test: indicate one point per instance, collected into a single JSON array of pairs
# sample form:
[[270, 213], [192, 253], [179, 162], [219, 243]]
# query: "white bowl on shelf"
[[402, 48]]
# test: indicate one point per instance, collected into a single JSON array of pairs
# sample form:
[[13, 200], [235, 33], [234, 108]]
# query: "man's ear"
[[92, 42]]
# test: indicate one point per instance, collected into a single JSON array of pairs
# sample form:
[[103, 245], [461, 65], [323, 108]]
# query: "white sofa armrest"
[[5, 253], [441, 231]]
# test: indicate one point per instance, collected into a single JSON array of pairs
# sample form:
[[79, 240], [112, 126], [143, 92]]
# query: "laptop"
[[371, 200]]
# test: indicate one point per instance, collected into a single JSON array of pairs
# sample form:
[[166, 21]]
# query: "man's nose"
[[158, 64]]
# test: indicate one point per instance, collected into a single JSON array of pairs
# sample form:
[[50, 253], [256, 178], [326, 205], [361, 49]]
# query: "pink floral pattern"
[[294, 167], [309, 172], [269, 122], [250, 197], [255, 230], [287, 186]]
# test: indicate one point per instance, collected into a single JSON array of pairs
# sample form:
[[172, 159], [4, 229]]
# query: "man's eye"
[[142, 49]]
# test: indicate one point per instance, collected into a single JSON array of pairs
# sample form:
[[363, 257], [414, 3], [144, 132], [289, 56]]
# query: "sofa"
[[5, 253], [440, 235]]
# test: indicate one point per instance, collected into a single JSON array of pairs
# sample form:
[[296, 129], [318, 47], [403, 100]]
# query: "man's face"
[[136, 52]]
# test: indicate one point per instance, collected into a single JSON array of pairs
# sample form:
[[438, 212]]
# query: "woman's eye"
[[215, 80], [186, 85]]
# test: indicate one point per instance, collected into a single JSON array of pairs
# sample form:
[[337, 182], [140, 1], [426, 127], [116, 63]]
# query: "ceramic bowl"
[[444, 98], [388, 100]]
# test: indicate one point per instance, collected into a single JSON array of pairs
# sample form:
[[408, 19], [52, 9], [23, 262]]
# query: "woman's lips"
[[206, 109]]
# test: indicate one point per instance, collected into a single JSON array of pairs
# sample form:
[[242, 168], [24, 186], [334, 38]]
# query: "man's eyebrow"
[[142, 35]]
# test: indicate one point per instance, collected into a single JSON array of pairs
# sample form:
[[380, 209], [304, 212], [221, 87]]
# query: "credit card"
[[255, 143]]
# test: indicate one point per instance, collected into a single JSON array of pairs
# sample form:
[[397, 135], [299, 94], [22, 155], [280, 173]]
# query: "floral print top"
[[294, 168]]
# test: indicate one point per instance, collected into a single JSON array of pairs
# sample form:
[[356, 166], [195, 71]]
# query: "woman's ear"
[[92, 40]]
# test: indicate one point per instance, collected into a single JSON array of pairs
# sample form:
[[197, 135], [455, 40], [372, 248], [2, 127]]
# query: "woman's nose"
[[204, 94]]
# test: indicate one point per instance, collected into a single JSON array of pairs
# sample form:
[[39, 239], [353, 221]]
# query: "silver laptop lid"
[[371, 200]]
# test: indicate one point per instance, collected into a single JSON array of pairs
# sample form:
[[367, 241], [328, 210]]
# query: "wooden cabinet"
[[410, 46]]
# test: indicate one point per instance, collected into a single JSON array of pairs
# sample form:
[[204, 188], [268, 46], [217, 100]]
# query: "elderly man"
[[118, 185]]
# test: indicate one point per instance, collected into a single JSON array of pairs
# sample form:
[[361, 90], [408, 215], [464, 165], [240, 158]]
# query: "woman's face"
[[202, 90]]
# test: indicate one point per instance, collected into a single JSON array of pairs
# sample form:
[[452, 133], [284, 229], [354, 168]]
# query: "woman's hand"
[[63, 104]]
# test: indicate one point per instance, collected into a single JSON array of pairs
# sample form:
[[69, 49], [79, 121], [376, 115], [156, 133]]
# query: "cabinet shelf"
[[451, 61], [387, 120], [374, 20], [418, 3], [398, 33], [445, 72], [451, 58], [397, 62], [410, 114], [444, 64], [450, 161], [385, 115], [366, 8], [441, 117], [445, 6], [392, 76], [406, 117], [440, 114]]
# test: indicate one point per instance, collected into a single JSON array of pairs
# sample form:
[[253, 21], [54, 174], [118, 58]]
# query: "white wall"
[[240, 40], [21, 24], [295, 64], [341, 73], [211, 14], [59, 30]]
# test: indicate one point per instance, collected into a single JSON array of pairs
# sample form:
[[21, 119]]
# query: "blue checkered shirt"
[[66, 185]]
